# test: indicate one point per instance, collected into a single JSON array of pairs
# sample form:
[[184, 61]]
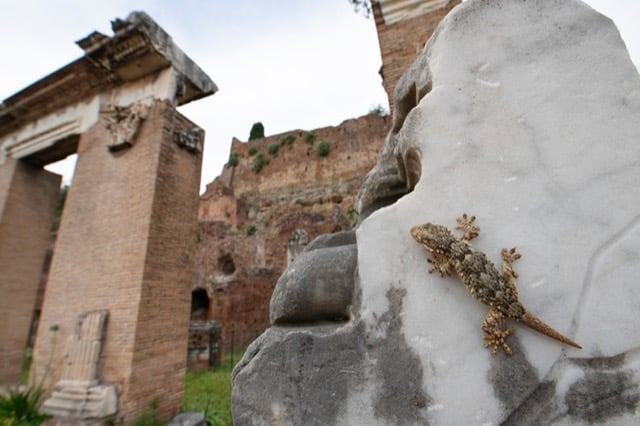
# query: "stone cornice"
[[138, 48], [397, 10]]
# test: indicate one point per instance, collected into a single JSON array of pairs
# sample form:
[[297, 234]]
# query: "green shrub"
[[250, 230], [323, 149], [20, 407], [287, 140], [273, 149], [257, 131], [352, 214], [310, 137], [234, 158], [252, 151], [258, 162]]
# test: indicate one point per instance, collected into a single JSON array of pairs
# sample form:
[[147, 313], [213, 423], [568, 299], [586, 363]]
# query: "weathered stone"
[[336, 239], [77, 394], [530, 123], [485, 123], [318, 286], [123, 123], [188, 419], [80, 402], [192, 140], [320, 364]]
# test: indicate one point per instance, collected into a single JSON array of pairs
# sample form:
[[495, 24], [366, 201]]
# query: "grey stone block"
[[318, 286], [188, 419], [336, 239]]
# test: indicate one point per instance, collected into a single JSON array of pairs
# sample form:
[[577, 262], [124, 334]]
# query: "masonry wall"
[[27, 203], [247, 218], [354, 147], [124, 245], [402, 41]]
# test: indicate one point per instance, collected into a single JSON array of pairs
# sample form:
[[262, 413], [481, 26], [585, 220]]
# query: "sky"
[[290, 64]]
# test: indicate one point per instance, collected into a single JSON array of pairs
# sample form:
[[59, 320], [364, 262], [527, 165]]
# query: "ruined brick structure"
[[246, 218], [124, 245], [403, 27]]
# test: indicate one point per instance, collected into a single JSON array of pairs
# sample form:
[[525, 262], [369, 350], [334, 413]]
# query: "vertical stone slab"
[[27, 203], [124, 245]]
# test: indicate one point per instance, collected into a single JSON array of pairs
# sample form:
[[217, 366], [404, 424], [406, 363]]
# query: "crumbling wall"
[[246, 218]]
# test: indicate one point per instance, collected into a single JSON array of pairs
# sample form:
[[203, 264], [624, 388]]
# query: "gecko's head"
[[434, 238]]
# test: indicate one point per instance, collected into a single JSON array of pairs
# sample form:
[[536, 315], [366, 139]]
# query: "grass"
[[210, 392]]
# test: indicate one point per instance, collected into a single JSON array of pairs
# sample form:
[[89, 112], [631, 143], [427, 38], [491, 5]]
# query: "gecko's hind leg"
[[494, 335], [465, 224]]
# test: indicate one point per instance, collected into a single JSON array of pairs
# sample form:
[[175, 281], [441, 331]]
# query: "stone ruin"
[[124, 244], [526, 115], [78, 393]]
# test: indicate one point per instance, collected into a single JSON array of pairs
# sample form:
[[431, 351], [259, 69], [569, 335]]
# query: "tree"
[[378, 110], [362, 6], [257, 131]]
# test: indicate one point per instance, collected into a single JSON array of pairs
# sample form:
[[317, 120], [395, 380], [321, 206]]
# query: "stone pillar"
[[28, 197], [124, 245]]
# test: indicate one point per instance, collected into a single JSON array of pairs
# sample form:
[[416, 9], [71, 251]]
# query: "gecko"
[[481, 278]]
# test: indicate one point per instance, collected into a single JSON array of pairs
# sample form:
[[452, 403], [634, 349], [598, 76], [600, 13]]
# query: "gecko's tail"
[[538, 325]]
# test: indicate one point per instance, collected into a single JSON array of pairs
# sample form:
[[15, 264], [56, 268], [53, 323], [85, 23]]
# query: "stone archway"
[[124, 243]]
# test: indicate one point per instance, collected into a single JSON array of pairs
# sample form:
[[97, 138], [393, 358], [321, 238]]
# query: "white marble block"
[[532, 123], [527, 115]]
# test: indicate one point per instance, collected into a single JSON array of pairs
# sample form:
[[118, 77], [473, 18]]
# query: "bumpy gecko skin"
[[482, 279]]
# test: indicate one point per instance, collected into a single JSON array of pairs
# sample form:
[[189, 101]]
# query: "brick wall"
[[297, 189], [124, 244], [27, 203], [402, 41], [354, 146]]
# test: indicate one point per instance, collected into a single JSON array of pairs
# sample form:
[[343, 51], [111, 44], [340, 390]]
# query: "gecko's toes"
[[496, 340]]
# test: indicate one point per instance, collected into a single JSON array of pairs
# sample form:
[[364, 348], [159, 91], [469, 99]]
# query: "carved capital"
[[192, 140], [123, 123]]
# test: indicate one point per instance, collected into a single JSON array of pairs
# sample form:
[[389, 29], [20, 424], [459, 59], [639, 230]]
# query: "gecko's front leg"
[[495, 336], [465, 224], [441, 264]]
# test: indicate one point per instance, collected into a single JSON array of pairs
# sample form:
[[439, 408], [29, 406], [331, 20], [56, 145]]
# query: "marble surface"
[[527, 115], [532, 124]]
